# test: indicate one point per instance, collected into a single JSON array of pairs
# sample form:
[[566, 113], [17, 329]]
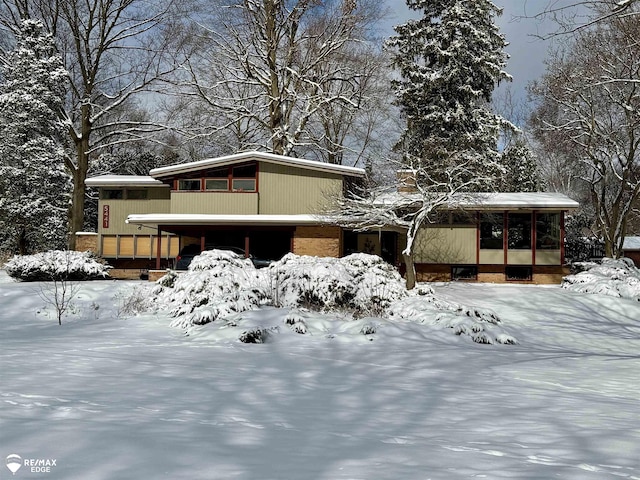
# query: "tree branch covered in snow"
[[592, 117], [271, 72], [115, 51]]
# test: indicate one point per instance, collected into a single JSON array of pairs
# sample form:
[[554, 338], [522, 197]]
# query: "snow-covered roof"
[[123, 181], [204, 219], [260, 156], [631, 243], [494, 201]]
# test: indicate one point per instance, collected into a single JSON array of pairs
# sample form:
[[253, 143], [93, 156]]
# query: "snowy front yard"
[[110, 397]]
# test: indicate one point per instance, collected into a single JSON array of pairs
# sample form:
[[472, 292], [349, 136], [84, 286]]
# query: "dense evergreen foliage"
[[34, 187], [450, 61]]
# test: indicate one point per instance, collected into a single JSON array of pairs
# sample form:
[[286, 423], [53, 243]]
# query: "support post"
[[158, 248]]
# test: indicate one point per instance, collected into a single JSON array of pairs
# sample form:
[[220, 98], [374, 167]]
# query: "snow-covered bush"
[[57, 265], [480, 325], [364, 284], [356, 298], [617, 278], [218, 283]]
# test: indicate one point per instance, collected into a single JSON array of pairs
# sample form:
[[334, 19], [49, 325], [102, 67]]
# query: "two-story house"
[[268, 205]]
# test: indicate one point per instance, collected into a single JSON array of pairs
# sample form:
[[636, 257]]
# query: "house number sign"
[[105, 216]]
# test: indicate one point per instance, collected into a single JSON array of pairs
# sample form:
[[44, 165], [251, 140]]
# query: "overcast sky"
[[527, 53]]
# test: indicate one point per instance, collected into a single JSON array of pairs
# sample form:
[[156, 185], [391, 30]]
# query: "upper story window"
[[112, 194], [137, 194], [190, 184], [242, 178], [491, 231]]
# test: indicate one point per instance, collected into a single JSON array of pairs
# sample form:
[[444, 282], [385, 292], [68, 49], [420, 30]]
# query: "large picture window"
[[491, 231], [519, 232], [548, 231]]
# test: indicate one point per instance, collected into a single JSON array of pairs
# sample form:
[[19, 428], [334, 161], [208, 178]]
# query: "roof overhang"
[[123, 181], [489, 201], [631, 243], [176, 219], [256, 156]]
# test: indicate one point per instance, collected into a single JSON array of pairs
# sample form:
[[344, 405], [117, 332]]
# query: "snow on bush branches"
[[358, 296], [616, 278], [56, 265]]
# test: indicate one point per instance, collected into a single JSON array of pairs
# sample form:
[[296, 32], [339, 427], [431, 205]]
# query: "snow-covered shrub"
[[362, 283], [218, 283], [617, 278], [480, 325], [57, 265]]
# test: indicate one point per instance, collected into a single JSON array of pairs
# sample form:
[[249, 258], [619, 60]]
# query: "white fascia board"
[[123, 181], [491, 201], [258, 156], [204, 219]]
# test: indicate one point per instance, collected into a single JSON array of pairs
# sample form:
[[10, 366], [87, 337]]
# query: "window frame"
[[496, 224], [527, 232], [457, 278], [216, 179], [225, 173], [510, 277], [199, 180], [552, 231]]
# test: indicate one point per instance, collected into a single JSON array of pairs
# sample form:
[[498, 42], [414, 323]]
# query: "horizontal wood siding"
[[214, 203], [120, 209], [289, 190]]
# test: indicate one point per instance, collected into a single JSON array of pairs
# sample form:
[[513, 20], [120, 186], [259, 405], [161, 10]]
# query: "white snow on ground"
[[111, 397], [617, 278]]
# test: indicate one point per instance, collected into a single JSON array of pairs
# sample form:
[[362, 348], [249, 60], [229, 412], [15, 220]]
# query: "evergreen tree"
[[521, 173], [450, 61], [34, 187]]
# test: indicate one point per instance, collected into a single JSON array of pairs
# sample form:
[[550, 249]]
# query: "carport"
[[263, 236]]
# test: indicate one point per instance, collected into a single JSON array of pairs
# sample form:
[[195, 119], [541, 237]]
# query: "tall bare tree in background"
[[289, 76], [589, 112], [116, 52]]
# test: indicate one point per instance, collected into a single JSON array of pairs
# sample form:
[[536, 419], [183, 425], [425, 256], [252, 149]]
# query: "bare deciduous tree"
[[589, 110], [411, 207], [287, 76], [115, 51]]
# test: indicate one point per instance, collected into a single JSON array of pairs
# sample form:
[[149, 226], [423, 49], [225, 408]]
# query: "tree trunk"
[[79, 172], [411, 271]]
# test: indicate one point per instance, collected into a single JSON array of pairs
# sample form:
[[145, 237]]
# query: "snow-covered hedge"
[[57, 265], [356, 297], [482, 326], [218, 283], [617, 278], [364, 284]]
